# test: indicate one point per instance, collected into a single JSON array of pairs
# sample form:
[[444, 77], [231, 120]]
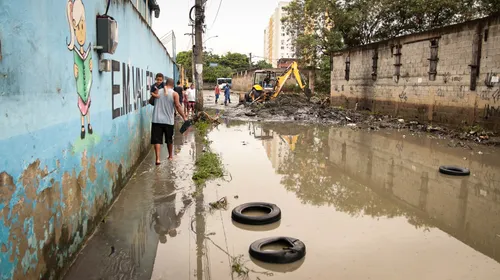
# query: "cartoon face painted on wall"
[[82, 68]]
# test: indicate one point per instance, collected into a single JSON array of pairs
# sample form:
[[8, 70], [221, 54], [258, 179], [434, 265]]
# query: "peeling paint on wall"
[[56, 182]]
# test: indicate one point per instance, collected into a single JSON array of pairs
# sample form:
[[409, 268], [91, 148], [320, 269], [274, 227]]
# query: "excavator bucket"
[[308, 92]]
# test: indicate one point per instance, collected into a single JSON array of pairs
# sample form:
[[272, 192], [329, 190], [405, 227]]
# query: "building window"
[[282, 41], [397, 61], [433, 60], [347, 67], [282, 47], [282, 34], [374, 64]]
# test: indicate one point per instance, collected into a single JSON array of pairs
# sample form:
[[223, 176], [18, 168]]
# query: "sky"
[[239, 25]]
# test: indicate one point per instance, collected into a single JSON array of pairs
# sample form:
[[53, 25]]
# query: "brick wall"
[[449, 99]]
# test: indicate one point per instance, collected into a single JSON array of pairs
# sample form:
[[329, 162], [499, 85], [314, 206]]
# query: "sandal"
[[82, 133], [90, 128]]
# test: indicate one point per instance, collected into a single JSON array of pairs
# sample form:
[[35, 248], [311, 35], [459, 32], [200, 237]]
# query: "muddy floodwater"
[[367, 206]]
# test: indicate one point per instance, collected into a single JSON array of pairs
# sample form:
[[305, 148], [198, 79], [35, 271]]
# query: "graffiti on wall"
[[490, 95], [491, 111], [82, 59], [448, 78], [402, 95], [440, 92], [461, 92]]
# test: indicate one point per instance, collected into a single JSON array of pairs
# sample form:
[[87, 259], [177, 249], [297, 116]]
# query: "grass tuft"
[[202, 127], [208, 166]]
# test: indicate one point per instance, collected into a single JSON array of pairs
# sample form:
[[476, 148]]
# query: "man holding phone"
[[165, 104]]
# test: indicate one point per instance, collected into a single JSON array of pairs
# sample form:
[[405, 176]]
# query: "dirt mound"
[[297, 107]]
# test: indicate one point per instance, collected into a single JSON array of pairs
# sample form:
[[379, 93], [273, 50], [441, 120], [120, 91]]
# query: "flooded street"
[[366, 205]]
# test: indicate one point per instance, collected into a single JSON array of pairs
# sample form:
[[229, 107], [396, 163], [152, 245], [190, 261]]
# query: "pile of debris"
[[297, 107]]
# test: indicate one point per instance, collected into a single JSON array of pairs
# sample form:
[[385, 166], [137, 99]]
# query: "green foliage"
[[262, 64], [227, 64], [323, 80], [210, 74], [185, 59], [202, 127], [208, 166], [320, 27], [234, 61], [325, 25]]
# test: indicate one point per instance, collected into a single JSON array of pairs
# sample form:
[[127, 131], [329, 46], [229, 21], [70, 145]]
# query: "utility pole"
[[198, 52], [192, 54], [250, 60]]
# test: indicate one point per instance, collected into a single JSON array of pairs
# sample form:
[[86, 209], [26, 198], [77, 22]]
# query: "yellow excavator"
[[266, 86]]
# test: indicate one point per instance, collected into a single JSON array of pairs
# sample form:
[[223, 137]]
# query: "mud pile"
[[296, 107]]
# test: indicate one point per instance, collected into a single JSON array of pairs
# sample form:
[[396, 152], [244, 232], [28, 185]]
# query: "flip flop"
[[185, 126]]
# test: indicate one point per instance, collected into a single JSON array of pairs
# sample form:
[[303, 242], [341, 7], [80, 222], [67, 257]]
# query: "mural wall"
[[70, 135]]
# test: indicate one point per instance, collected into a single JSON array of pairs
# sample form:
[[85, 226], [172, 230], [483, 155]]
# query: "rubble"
[[297, 107]]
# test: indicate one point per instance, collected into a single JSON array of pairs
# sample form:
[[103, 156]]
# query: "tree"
[[320, 27], [186, 59], [235, 61], [262, 64], [226, 64], [210, 74]]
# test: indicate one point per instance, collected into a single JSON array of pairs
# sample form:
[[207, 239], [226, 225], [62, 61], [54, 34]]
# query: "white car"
[[222, 86]]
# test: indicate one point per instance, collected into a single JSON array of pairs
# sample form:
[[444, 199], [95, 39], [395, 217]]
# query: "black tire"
[[454, 170], [296, 251], [273, 216]]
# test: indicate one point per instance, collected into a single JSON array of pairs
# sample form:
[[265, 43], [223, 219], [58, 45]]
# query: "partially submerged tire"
[[454, 170], [273, 213], [295, 250]]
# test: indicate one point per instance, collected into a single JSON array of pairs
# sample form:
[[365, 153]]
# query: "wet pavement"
[[367, 206]]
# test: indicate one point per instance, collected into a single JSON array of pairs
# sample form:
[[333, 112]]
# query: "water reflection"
[[384, 175]]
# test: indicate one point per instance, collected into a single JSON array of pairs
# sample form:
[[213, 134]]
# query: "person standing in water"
[[227, 95], [217, 94], [166, 103]]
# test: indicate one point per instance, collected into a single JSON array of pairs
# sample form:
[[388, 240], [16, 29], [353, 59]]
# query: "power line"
[[217, 14]]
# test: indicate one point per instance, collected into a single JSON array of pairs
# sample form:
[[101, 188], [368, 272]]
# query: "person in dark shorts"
[[179, 91], [185, 99], [165, 104]]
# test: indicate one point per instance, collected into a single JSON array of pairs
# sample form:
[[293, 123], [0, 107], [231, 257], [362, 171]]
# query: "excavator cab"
[[268, 85]]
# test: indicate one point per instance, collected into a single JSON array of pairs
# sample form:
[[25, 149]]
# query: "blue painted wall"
[[54, 184]]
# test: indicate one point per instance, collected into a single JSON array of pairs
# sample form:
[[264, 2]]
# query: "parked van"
[[221, 82]]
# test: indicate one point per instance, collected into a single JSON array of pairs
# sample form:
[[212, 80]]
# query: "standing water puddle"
[[366, 205]]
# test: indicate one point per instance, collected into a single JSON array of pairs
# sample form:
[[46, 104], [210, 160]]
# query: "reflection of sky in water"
[[382, 175]]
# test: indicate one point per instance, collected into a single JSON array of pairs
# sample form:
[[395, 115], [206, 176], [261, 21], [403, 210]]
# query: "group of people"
[[167, 100], [227, 94]]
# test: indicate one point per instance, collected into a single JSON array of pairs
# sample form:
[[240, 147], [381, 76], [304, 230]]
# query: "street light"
[[216, 36]]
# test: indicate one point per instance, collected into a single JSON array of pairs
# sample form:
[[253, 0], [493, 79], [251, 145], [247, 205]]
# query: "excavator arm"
[[292, 69]]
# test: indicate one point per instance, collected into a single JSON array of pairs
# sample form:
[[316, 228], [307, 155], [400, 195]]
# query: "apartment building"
[[277, 44]]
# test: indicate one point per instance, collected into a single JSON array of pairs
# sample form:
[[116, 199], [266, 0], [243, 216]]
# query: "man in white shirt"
[[191, 92]]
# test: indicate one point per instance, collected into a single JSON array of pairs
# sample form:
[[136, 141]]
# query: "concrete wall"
[[55, 185], [447, 99], [406, 170]]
